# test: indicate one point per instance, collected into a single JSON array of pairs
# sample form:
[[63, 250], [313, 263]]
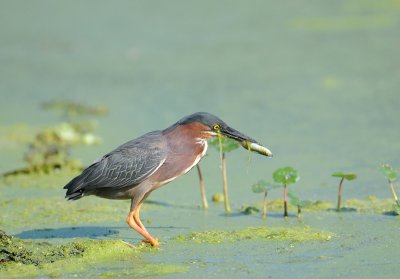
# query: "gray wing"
[[128, 165]]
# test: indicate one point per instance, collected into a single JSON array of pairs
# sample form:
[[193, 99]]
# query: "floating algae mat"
[[277, 206], [34, 258], [14, 250], [19, 258], [370, 204], [261, 233]]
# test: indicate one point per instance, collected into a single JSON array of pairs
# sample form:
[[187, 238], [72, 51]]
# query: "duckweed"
[[147, 270], [260, 233]]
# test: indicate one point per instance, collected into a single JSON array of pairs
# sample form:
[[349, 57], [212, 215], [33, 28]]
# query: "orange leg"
[[131, 220], [136, 217]]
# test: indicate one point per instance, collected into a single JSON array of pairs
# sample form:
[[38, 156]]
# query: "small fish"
[[252, 146]]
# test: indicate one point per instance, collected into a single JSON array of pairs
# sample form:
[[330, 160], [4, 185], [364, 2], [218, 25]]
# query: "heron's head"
[[213, 126]]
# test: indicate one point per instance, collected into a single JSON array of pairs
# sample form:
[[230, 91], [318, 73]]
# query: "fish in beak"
[[245, 141]]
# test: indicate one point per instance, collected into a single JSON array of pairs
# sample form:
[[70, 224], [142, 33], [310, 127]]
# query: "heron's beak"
[[246, 141]]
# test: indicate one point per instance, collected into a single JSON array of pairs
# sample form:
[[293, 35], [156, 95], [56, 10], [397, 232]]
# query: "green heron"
[[140, 166]]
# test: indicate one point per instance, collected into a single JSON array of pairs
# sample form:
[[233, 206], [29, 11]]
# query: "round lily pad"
[[286, 175], [347, 176], [258, 187], [261, 186]]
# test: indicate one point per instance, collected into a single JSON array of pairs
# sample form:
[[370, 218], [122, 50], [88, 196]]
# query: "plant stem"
[[225, 180], [394, 192], [202, 188], [339, 198], [285, 214], [264, 210]]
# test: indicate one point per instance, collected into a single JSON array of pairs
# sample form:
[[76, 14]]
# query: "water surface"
[[315, 81]]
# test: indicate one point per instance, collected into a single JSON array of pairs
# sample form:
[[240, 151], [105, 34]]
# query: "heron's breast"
[[185, 150]]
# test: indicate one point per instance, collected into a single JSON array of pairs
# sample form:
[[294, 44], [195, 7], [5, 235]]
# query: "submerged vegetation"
[[342, 176], [50, 148]]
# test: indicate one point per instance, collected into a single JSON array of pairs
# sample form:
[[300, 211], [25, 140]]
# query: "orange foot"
[[134, 222], [153, 242]]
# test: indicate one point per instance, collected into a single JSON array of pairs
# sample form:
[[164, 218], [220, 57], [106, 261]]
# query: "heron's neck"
[[187, 138]]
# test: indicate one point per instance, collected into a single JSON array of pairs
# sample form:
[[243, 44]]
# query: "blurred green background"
[[317, 82]]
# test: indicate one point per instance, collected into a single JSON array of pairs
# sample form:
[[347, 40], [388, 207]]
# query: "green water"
[[314, 81]]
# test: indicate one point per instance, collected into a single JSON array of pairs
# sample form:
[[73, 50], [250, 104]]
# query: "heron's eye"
[[216, 127]]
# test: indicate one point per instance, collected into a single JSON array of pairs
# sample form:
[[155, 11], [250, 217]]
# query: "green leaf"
[[347, 176], [258, 187], [294, 200], [228, 144], [286, 175], [389, 173], [261, 186]]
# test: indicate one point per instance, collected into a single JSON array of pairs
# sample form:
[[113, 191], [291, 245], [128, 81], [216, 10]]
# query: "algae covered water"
[[314, 81]]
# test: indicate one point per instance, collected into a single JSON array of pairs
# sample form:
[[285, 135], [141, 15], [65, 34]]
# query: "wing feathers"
[[128, 165]]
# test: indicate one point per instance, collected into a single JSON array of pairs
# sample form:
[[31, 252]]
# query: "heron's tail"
[[74, 188]]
